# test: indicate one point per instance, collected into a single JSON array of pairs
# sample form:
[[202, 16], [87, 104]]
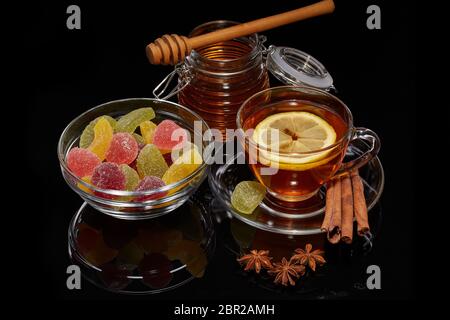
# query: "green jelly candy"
[[247, 196], [131, 254], [88, 133], [139, 138], [131, 177], [130, 121], [150, 162]]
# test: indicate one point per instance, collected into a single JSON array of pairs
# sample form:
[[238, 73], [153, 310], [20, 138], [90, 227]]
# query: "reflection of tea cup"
[[296, 176]]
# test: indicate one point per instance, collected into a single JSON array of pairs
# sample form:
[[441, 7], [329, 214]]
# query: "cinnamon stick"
[[359, 203], [332, 220], [347, 210]]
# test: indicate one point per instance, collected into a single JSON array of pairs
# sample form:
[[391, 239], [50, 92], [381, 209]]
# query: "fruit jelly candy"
[[82, 162], [189, 161], [86, 179], [147, 131], [191, 254], [103, 134], [150, 183], [197, 266], [87, 238], [130, 121], [88, 133], [247, 195], [155, 270], [157, 238], [123, 148], [101, 254], [168, 135], [139, 139], [150, 162], [108, 175], [115, 277], [131, 177], [131, 254]]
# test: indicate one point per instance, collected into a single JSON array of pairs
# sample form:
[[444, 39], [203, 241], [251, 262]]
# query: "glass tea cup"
[[294, 176]]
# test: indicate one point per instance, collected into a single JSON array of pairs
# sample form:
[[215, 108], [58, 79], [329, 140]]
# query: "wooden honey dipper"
[[171, 49]]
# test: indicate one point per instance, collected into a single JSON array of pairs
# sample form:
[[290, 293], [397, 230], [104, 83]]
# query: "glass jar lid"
[[292, 66]]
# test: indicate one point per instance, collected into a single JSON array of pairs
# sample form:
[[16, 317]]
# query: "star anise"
[[286, 271], [308, 257], [256, 260]]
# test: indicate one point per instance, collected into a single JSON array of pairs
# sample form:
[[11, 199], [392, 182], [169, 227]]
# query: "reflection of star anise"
[[256, 259], [285, 272], [308, 257]]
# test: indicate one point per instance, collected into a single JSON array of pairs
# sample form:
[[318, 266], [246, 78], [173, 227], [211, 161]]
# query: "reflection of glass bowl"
[[116, 202], [142, 256], [274, 217]]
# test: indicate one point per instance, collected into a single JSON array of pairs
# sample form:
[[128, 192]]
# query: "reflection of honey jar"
[[216, 79]]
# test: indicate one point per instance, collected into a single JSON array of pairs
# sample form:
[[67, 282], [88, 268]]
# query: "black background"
[[70, 71]]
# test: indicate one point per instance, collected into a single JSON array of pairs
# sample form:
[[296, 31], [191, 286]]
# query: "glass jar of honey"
[[215, 80], [223, 76]]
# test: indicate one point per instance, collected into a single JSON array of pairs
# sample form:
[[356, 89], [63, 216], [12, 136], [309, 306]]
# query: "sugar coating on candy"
[[88, 133], [168, 135], [150, 183], [147, 131], [247, 196], [103, 134], [139, 138], [186, 164], [82, 162], [130, 121], [131, 177], [150, 162], [123, 148], [108, 175]]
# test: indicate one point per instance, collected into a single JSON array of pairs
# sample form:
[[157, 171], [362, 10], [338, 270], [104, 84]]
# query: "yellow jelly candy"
[[86, 179], [187, 163], [88, 133], [103, 134], [247, 196], [150, 162], [189, 253], [147, 131], [101, 254]]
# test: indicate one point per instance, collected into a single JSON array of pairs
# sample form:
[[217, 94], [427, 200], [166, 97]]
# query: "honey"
[[222, 77]]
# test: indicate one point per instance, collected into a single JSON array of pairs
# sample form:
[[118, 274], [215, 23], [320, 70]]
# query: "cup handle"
[[371, 139]]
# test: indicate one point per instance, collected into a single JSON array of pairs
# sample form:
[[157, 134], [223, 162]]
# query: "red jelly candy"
[[82, 162], [123, 148], [150, 183], [115, 277], [87, 238], [168, 135], [155, 270], [108, 175]]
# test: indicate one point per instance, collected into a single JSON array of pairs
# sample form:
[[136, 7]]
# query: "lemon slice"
[[296, 132]]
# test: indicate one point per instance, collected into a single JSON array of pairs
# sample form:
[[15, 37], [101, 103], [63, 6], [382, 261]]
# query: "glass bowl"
[[142, 256], [292, 221], [132, 205]]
